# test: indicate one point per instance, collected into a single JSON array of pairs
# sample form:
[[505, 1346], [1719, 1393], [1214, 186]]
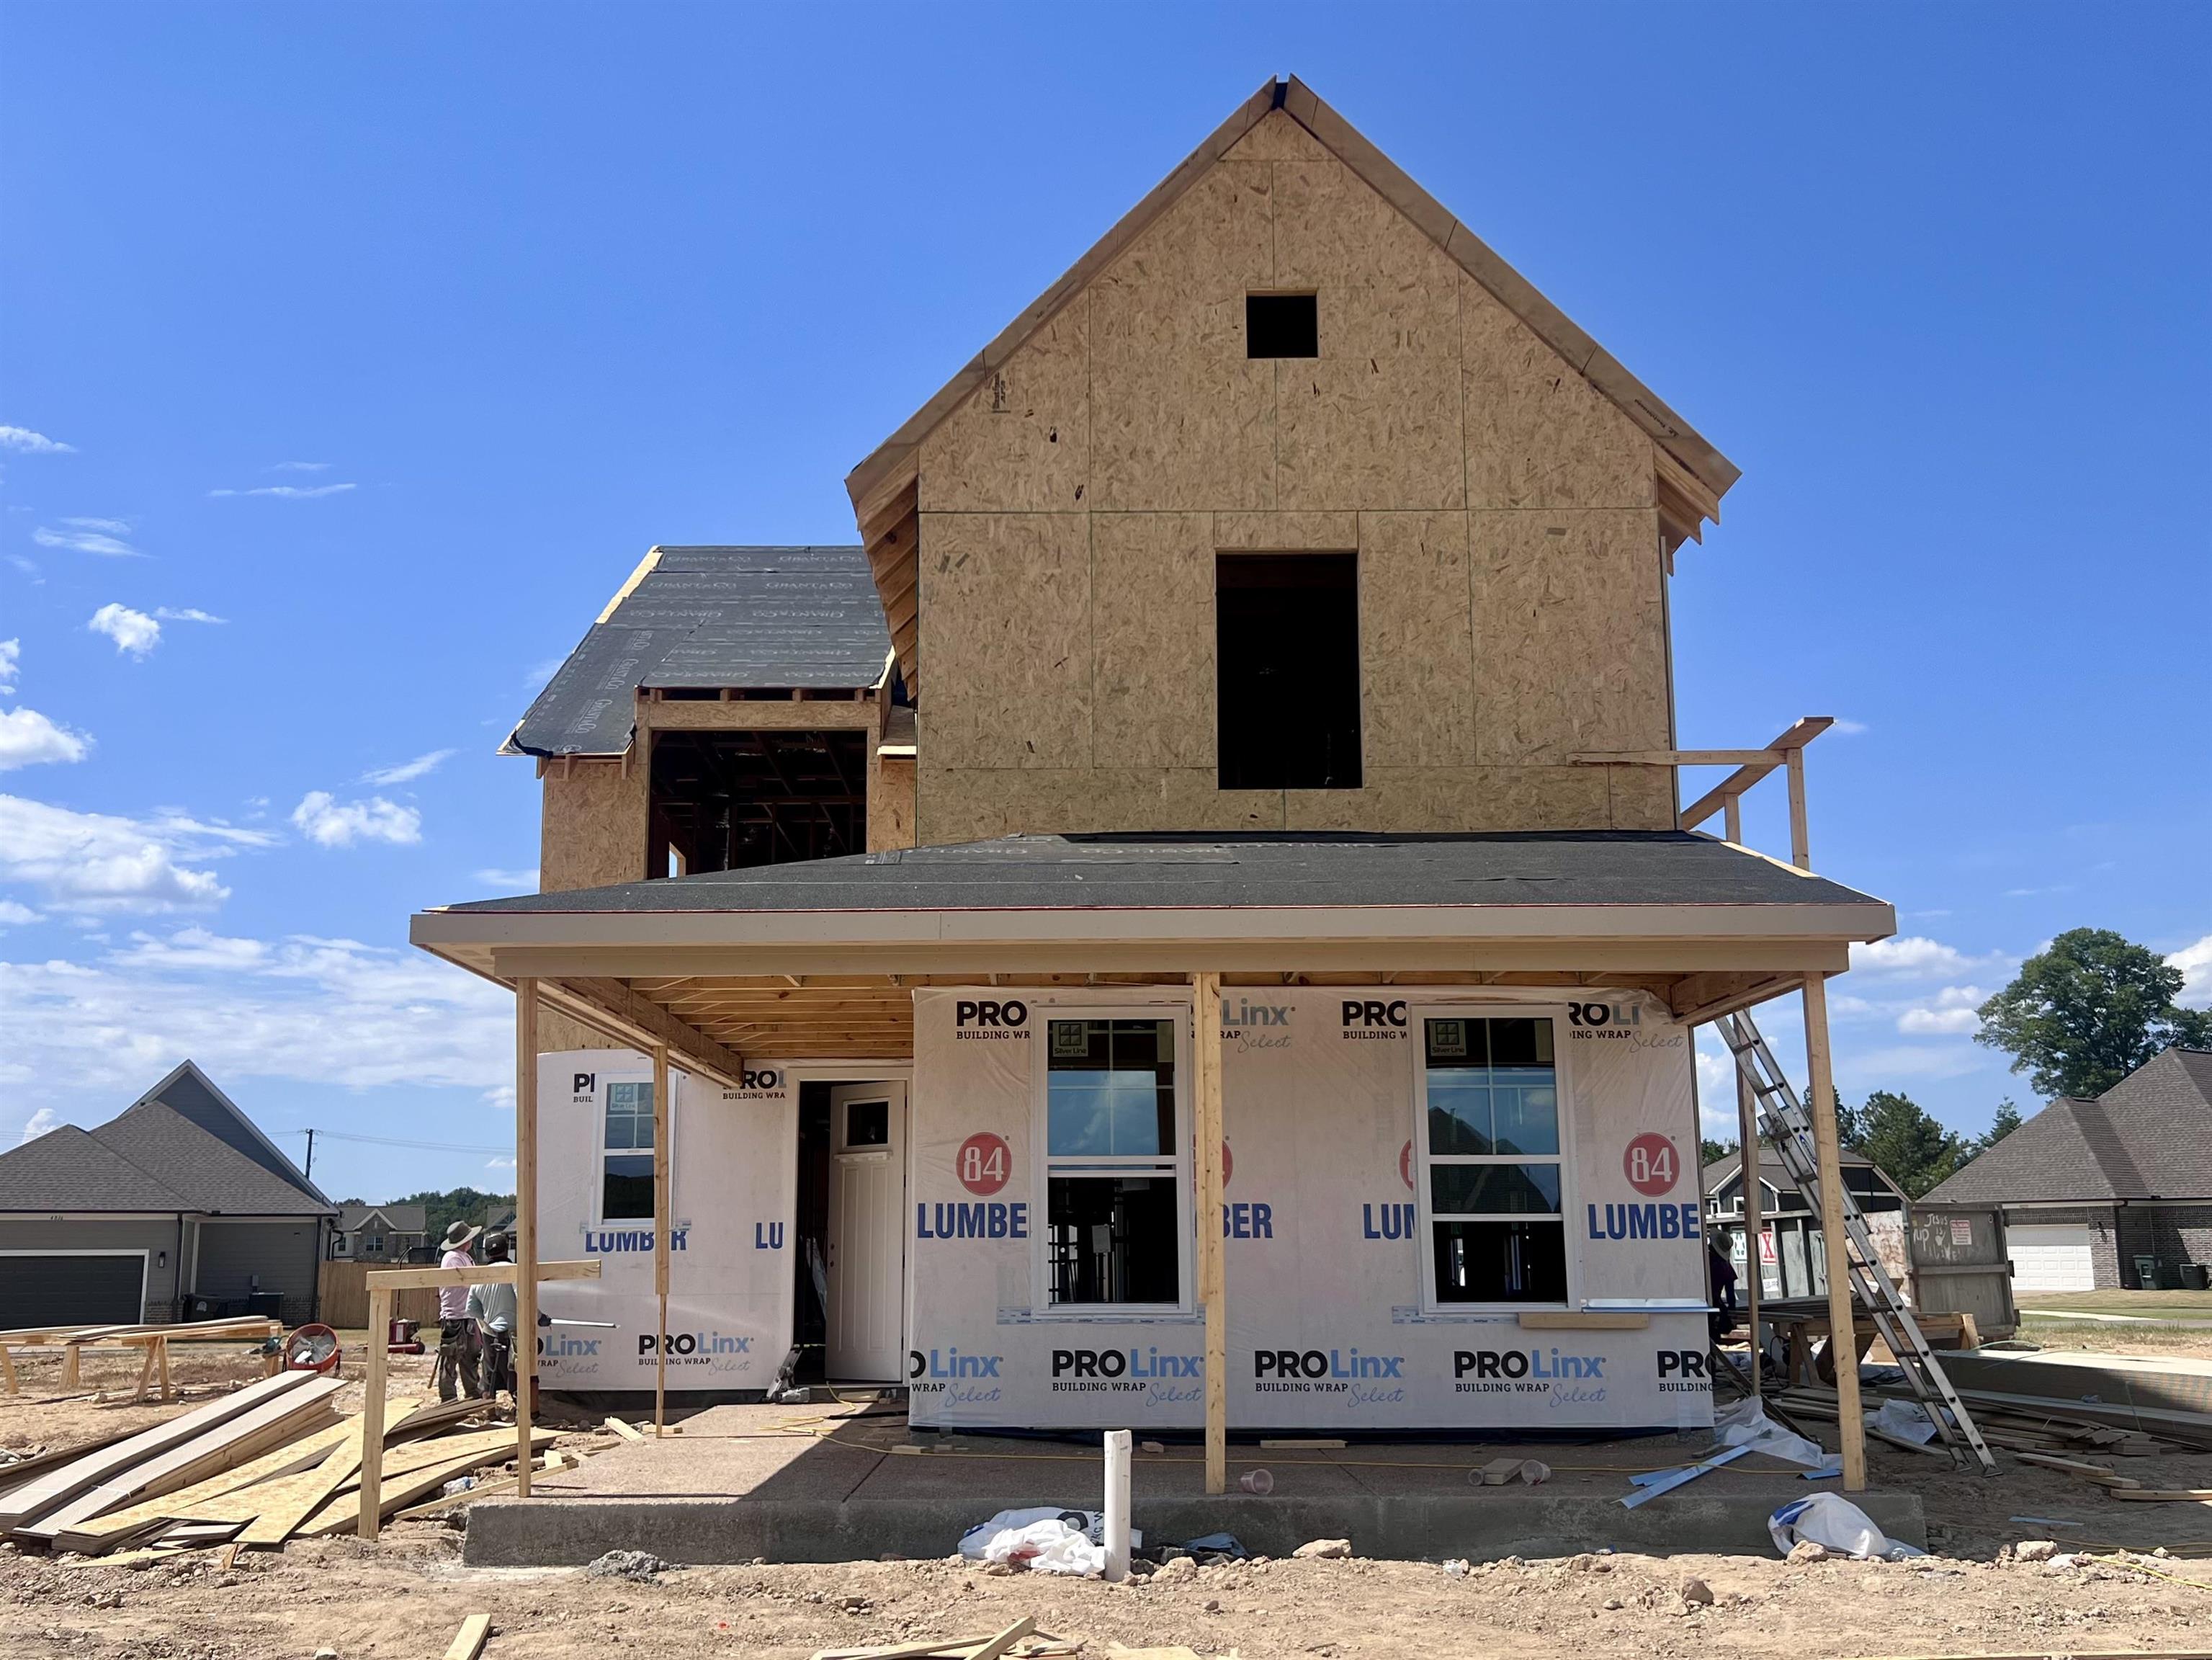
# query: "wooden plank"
[[1006, 1639], [280, 1513], [1768, 758], [190, 1503], [49, 1492], [1801, 845], [483, 1274], [1800, 733], [25, 1470], [628, 1432], [341, 1514], [372, 1446], [274, 1423], [469, 1641], [526, 1222], [1834, 1237], [1205, 1019], [661, 1213]]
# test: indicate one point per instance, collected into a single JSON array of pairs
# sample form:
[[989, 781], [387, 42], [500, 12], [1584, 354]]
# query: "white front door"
[[867, 1235]]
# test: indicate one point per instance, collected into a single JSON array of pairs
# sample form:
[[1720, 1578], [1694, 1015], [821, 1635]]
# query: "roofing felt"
[[701, 618], [1249, 869], [2149, 1136]]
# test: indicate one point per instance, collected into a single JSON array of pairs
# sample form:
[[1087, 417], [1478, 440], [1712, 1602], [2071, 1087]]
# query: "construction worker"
[[459, 1351], [492, 1309]]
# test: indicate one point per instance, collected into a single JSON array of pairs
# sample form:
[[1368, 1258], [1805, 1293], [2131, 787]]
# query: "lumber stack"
[[2004, 1423], [269, 1464]]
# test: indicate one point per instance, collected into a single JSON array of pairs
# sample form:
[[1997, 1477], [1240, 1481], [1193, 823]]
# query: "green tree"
[[1712, 1151], [2088, 1010], [1912, 1148], [2001, 1124], [442, 1210]]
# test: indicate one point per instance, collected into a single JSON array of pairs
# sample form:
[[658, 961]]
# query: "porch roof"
[[818, 960]]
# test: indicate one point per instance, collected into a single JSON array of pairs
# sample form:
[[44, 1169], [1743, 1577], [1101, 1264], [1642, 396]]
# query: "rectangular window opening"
[[733, 800], [1116, 1165], [626, 1164], [1493, 1171], [1286, 637], [1282, 325]]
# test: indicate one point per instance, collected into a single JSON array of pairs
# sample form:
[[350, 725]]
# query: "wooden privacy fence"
[[345, 1291]]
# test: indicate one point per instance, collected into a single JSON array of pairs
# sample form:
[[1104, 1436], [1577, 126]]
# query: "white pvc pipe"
[[1118, 1504]]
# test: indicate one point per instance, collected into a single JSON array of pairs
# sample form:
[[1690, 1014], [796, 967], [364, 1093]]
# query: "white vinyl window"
[[1492, 1188], [1117, 1161], [626, 1152]]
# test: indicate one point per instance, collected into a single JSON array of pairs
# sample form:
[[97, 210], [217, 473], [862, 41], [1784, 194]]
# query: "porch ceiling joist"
[[615, 1009]]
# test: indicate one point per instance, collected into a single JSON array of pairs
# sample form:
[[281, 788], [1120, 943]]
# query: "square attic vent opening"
[[1282, 325]]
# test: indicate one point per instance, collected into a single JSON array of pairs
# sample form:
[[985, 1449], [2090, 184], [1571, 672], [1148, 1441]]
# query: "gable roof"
[[707, 617], [1773, 1172], [398, 1219], [181, 1146], [193, 1095], [1690, 489], [2149, 1136]]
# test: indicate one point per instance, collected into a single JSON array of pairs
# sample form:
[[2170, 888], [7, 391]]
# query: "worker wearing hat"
[[457, 1344]]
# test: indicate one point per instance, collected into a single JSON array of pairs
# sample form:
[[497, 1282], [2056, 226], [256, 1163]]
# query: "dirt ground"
[[406, 1595]]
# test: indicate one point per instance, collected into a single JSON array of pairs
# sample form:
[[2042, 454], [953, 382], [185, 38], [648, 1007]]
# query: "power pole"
[[310, 1171]]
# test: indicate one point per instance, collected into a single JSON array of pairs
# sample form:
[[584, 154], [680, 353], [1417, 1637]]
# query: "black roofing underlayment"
[[1254, 868], [710, 618]]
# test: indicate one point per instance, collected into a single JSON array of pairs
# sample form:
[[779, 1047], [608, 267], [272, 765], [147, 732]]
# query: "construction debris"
[[249, 1470], [626, 1564], [1326, 1549]]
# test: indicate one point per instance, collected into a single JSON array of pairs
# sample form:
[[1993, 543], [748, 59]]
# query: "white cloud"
[[290, 492], [13, 915], [1849, 728], [81, 538], [28, 567], [11, 663], [499, 1164], [93, 862], [319, 1011], [1911, 954], [1951, 1014], [27, 737], [302, 467], [2195, 962], [131, 630], [330, 823], [112, 526], [39, 1123], [25, 442], [509, 881], [186, 614], [406, 772]]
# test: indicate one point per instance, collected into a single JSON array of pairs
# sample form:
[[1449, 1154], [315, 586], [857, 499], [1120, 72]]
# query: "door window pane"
[[867, 1123]]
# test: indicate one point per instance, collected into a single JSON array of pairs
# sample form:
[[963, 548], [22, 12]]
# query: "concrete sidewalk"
[[742, 1482]]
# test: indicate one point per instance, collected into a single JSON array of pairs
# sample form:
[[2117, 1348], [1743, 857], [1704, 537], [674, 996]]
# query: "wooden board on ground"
[[25, 1469], [2164, 1495], [625, 1431], [50, 1491], [280, 1512], [199, 1502], [549, 1464], [469, 1641], [342, 1513]]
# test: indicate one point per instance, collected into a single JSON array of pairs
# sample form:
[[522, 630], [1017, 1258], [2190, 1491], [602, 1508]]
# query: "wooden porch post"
[[661, 1237], [1843, 1338], [372, 1440], [525, 1224], [1206, 1039], [1746, 1113]]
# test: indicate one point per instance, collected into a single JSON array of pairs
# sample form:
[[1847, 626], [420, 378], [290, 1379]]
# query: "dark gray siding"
[[238, 1258], [156, 1237]]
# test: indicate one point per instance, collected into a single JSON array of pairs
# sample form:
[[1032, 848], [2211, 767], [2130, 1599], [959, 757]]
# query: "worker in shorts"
[[458, 1348], [491, 1307]]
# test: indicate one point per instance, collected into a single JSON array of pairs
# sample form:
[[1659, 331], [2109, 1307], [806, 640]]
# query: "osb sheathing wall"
[[1503, 510]]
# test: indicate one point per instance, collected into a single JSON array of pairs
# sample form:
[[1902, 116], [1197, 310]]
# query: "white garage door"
[[2050, 1256]]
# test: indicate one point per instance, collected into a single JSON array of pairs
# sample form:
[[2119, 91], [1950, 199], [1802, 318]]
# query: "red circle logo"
[[983, 1163], [1227, 1164], [1651, 1164], [1406, 1165]]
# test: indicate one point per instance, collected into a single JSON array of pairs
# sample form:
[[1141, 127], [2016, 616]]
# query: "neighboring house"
[[1791, 1259], [2092, 1191], [177, 1205], [379, 1233], [1263, 642]]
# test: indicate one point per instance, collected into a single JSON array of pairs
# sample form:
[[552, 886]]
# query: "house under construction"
[[1193, 921]]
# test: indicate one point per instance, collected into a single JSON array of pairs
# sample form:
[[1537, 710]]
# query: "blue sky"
[[391, 336]]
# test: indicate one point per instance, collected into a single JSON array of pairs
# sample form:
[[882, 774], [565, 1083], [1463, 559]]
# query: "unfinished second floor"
[[1290, 507]]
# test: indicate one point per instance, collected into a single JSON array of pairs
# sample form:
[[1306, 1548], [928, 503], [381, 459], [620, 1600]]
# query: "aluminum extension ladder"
[[1784, 1119]]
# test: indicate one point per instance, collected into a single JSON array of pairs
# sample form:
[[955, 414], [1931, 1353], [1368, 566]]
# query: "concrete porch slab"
[[760, 1481]]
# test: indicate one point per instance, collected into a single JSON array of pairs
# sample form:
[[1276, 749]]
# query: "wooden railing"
[[1786, 752]]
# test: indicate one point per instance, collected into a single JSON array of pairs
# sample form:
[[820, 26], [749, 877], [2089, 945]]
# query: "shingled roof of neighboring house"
[[2149, 1136], [1772, 1170], [197, 1153], [399, 1219], [708, 617]]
